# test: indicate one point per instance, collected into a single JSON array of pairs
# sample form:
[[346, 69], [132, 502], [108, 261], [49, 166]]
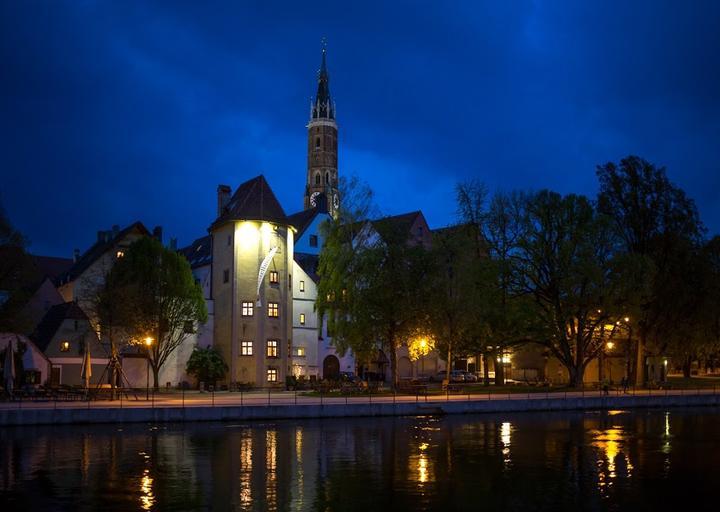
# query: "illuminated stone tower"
[[321, 189]]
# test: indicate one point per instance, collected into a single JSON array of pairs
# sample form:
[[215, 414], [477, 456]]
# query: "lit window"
[[313, 241], [226, 276], [302, 286], [273, 309], [300, 351], [302, 318], [120, 254], [272, 375], [246, 348], [274, 277], [64, 346], [272, 348], [247, 309]]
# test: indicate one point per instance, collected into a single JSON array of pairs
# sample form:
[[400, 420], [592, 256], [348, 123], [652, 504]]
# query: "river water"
[[613, 460]]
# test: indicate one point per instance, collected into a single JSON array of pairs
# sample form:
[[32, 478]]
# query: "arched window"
[[327, 178], [317, 178], [317, 142]]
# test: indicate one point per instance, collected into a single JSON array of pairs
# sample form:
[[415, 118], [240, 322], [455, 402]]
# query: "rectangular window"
[[246, 348], [64, 346], [272, 375], [302, 286], [272, 348], [313, 241], [247, 308], [273, 309], [274, 277], [300, 351], [302, 318], [226, 275]]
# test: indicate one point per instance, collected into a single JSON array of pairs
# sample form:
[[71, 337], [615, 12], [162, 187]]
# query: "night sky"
[[112, 112]]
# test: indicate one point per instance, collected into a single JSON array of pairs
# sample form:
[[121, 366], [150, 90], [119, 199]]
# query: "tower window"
[[317, 178], [226, 275], [302, 318], [246, 348], [273, 309], [247, 308], [317, 142], [274, 277], [327, 178], [272, 348], [302, 286]]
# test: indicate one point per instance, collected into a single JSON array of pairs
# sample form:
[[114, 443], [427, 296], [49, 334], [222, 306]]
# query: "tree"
[[371, 278], [655, 220], [567, 263], [161, 299], [207, 365], [17, 275]]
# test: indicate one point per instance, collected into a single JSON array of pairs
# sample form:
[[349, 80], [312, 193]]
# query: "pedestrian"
[[624, 383]]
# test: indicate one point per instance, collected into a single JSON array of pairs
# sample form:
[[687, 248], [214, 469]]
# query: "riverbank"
[[227, 408]]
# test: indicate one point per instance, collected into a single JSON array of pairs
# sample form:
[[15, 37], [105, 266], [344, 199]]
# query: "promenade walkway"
[[226, 406]]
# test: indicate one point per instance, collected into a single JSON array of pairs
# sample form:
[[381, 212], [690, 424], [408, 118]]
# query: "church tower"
[[321, 188]]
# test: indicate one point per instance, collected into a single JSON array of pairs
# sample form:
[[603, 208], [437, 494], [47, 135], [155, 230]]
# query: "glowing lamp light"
[[148, 341], [610, 345]]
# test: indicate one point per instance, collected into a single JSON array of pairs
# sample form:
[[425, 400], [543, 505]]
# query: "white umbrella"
[[9, 368], [86, 371]]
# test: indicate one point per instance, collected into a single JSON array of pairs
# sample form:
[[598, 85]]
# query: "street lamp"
[[148, 344]]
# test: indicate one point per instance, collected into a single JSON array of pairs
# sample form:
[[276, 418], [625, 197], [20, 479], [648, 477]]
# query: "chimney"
[[173, 244], [157, 233], [223, 197], [76, 255]]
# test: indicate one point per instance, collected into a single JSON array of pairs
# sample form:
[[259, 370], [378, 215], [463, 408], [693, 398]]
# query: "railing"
[[419, 394]]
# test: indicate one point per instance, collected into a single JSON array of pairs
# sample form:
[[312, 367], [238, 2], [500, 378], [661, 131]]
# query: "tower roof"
[[253, 200], [323, 106]]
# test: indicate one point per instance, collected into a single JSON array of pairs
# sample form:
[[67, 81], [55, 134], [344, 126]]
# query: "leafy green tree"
[[17, 274], [568, 264], [371, 278], [655, 221], [206, 365], [161, 300]]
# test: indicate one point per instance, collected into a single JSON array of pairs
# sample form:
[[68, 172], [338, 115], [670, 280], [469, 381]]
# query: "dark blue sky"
[[116, 111]]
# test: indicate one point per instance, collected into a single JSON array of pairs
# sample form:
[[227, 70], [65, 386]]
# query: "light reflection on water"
[[615, 459]]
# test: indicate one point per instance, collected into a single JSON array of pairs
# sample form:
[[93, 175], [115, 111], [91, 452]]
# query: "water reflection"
[[558, 460]]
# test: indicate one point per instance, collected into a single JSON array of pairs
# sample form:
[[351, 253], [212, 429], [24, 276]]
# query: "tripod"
[[115, 368]]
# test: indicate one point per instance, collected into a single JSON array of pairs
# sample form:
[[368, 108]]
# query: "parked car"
[[455, 376], [470, 377]]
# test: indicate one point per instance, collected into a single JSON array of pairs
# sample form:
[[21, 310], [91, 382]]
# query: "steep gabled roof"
[[302, 220], [309, 263], [51, 266], [100, 247], [253, 200], [402, 221], [199, 253], [52, 321]]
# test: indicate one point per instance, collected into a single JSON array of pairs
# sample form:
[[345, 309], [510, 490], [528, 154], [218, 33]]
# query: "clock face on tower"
[[336, 201], [313, 198]]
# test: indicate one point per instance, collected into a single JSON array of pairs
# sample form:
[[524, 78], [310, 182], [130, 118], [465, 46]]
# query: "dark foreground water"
[[648, 460]]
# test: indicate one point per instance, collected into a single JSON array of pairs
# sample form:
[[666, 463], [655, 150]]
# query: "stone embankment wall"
[[70, 416]]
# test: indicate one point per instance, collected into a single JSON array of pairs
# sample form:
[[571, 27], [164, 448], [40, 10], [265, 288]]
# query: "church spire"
[[323, 106]]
